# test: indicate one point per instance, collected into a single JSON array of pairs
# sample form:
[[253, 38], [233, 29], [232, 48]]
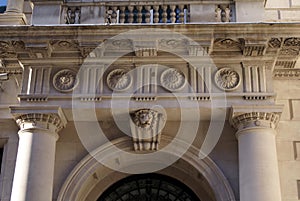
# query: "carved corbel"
[[146, 126]]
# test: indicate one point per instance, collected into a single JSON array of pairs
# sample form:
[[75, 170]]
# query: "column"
[[34, 170], [258, 165], [15, 6]]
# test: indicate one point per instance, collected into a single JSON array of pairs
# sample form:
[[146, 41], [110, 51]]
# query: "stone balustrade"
[[146, 13]]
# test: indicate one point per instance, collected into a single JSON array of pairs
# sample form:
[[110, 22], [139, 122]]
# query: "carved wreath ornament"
[[119, 80], [172, 79], [65, 80], [227, 79]]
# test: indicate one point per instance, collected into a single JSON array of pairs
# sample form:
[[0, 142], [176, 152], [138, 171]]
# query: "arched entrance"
[[90, 179], [148, 187]]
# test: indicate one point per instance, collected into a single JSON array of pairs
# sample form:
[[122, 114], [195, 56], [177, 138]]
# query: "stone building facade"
[[150, 100]]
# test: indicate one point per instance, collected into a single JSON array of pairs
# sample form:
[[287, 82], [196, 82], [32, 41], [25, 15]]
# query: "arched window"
[[148, 187]]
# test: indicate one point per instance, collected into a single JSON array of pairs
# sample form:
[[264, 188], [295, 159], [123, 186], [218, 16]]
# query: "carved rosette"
[[146, 126], [119, 80], [65, 80], [227, 79], [255, 119], [172, 80], [40, 121]]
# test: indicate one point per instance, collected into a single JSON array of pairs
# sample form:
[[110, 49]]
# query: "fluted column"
[[258, 165], [34, 170]]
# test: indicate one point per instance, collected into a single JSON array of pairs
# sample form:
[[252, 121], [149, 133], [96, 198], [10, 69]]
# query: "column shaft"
[[258, 166], [33, 179]]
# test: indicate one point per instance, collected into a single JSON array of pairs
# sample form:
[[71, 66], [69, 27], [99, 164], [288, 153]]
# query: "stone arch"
[[90, 178]]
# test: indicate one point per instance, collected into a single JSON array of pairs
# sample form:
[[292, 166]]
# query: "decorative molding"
[[200, 98], [11, 70], [227, 79], [173, 43], [289, 51], [39, 121], [65, 80], [286, 73], [285, 64], [65, 45], [172, 79], [255, 97], [119, 80], [145, 98], [254, 50], [49, 118], [198, 50], [145, 52], [122, 43], [227, 43], [251, 116], [146, 126], [91, 99], [275, 42], [292, 42], [255, 119]]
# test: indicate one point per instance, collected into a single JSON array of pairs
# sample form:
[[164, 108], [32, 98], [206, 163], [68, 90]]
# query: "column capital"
[[42, 118], [251, 116]]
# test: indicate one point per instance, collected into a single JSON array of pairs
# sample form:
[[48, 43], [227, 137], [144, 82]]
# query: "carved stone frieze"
[[227, 43], [9, 49], [146, 126], [119, 80], [172, 80], [122, 43], [64, 45], [65, 80], [290, 51], [292, 42], [173, 43], [275, 42], [227, 79], [255, 119]]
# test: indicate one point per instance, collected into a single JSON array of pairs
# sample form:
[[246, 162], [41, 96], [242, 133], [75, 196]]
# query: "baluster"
[[130, 15], [181, 13], [227, 14], [139, 14], [108, 15], [173, 14], [155, 14], [164, 14], [147, 15], [77, 16], [114, 15], [122, 14], [218, 14]]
